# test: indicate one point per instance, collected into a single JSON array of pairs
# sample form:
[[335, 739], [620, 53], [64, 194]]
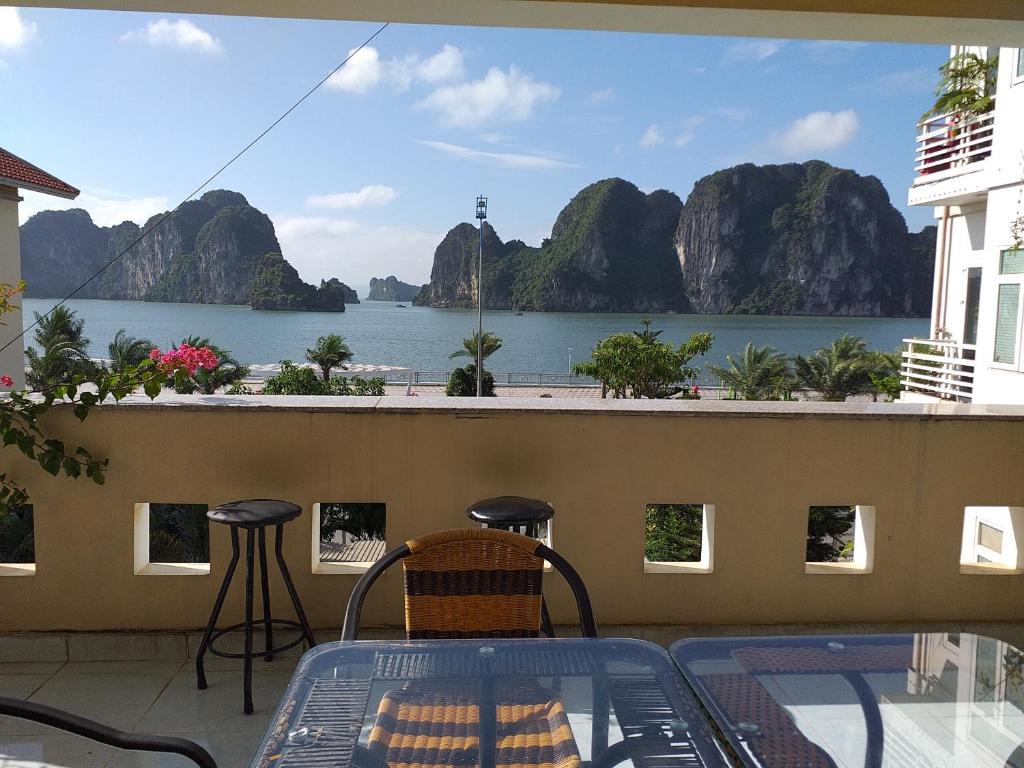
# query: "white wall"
[[12, 359]]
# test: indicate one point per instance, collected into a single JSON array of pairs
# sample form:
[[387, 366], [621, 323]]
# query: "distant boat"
[[402, 306], [518, 313]]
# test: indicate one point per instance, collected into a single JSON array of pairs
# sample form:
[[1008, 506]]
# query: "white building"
[[971, 169]]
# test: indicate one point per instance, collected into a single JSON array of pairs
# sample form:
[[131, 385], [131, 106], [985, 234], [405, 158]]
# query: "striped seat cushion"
[[472, 583], [436, 725]]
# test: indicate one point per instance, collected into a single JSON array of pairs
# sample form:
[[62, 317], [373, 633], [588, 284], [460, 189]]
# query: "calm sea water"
[[422, 338]]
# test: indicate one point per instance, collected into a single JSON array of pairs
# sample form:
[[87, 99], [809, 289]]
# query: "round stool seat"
[[255, 513], [510, 510]]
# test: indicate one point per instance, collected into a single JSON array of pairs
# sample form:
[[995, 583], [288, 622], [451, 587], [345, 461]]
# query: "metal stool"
[[253, 515], [520, 514]]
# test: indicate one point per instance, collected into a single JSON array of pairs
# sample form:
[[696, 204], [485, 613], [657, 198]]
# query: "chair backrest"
[[470, 583]]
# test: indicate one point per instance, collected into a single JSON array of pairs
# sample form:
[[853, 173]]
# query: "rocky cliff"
[[216, 250], [610, 250], [804, 239], [391, 288]]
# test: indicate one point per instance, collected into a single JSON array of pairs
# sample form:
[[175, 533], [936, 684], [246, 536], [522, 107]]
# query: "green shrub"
[[298, 380], [462, 383]]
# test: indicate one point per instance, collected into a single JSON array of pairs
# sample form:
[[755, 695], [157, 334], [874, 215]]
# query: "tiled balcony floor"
[[143, 696]]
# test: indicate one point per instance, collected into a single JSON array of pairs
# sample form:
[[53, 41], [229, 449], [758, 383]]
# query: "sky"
[[368, 174]]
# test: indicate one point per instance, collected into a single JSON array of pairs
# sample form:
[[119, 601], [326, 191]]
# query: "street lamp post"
[[481, 214]]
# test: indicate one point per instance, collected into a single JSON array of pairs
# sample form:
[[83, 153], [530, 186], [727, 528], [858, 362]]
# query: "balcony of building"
[[937, 369], [92, 626], [951, 160]]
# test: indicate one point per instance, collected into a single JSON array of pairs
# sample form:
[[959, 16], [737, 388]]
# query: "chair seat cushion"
[[437, 724], [254, 513]]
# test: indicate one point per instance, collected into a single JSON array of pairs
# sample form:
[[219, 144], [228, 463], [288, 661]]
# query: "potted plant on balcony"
[[966, 88], [965, 92]]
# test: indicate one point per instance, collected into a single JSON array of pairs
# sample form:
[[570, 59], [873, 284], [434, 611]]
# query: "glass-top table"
[[493, 703], [929, 699]]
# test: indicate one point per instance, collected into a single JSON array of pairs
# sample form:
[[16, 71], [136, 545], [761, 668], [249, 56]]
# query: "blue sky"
[[366, 176]]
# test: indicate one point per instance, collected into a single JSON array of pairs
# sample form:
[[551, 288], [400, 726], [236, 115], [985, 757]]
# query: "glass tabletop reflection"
[[922, 700], [490, 703]]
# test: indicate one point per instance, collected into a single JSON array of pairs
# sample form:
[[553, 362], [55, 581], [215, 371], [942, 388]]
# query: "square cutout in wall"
[[171, 539], [840, 539], [990, 540], [352, 536], [17, 542], [679, 538]]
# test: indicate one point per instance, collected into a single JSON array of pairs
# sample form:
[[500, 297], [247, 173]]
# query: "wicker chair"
[[471, 583]]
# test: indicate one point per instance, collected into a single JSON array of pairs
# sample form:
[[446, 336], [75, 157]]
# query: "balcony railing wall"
[[942, 368], [951, 141], [600, 463]]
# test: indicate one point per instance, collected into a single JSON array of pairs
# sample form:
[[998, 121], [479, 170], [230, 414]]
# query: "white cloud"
[[15, 32], [652, 136], [366, 70], [495, 138], [182, 34], [816, 132], [370, 195], [521, 161], [601, 96], [322, 247], [360, 74], [510, 95], [688, 133], [832, 50], [442, 67], [753, 50], [305, 226], [918, 80], [735, 114], [106, 208]]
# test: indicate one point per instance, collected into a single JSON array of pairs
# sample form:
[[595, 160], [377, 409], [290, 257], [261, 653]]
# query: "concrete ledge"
[[46, 647], [465, 407]]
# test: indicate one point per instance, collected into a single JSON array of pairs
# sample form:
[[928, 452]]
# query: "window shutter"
[[1006, 323]]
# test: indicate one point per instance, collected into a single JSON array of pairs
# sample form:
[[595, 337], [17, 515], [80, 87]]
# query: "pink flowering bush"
[[185, 357], [6, 381]]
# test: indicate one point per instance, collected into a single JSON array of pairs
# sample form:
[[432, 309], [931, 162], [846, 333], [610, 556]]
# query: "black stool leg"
[[217, 606], [303, 621], [247, 660], [268, 630]]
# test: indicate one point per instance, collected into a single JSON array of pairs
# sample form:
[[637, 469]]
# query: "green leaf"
[[81, 411], [72, 468]]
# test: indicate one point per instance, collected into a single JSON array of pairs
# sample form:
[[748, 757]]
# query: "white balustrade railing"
[[953, 140], [942, 368]]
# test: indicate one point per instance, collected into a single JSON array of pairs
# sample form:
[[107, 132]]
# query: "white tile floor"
[[143, 696]]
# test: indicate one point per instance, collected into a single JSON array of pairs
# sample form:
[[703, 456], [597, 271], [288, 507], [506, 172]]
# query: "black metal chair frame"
[[306, 634], [104, 734], [350, 628]]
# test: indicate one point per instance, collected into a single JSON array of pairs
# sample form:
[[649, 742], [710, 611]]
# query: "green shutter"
[[1006, 323], [1011, 263]]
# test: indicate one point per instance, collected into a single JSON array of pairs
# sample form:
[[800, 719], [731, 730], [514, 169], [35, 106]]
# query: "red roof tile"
[[16, 172]]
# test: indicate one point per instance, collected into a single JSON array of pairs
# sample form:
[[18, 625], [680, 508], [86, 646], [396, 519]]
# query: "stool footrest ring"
[[256, 626]]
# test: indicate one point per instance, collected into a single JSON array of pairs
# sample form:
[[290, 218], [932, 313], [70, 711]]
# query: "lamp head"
[[481, 207]]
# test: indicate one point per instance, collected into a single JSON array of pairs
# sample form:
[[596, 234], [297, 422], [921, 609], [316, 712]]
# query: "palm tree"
[[760, 373], [967, 86], [127, 351], [206, 381], [837, 371], [330, 351], [491, 344], [63, 349]]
